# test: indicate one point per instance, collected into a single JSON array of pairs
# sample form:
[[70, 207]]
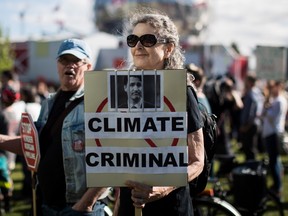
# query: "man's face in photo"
[[135, 87]]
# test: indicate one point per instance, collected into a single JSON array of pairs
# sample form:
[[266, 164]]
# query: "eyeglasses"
[[147, 40], [75, 62]]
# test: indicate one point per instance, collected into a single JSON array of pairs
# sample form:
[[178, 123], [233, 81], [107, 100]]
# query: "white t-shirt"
[[275, 117]]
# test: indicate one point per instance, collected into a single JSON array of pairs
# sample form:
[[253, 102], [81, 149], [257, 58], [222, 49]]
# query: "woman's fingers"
[[140, 193], [139, 186]]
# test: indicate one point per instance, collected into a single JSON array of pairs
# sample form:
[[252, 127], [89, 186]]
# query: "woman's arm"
[[142, 193], [195, 142]]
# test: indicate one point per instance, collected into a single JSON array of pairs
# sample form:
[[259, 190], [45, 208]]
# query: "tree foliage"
[[6, 55]]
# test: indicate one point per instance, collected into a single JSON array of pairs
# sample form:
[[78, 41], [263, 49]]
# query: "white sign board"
[[271, 62], [146, 143]]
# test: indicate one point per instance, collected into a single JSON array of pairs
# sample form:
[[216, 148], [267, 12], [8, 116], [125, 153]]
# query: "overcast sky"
[[249, 23], [24, 19], [246, 22]]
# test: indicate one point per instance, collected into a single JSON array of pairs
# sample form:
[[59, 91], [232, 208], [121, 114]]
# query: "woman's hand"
[[142, 193]]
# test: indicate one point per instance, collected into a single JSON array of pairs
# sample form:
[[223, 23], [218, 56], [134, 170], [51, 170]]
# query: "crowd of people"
[[16, 98], [256, 118]]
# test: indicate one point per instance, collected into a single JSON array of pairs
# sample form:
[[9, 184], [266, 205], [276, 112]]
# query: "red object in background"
[[21, 53], [29, 141], [239, 67], [118, 63]]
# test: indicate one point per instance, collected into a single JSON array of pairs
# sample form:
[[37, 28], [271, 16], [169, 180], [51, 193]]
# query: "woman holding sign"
[[154, 44]]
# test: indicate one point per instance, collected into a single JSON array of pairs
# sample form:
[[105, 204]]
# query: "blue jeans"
[[272, 144], [98, 210]]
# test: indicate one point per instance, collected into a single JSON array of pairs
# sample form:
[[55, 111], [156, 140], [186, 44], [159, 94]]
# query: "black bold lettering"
[[182, 162], [157, 160], [149, 125], [131, 125], [143, 160], [91, 125], [118, 159], [170, 160], [89, 158], [106, 126], [107, 158], [132, 161], [119, 125], [177, 121], [163, 121]]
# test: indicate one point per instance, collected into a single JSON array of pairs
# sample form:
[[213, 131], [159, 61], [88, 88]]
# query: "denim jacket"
[[73, 145]]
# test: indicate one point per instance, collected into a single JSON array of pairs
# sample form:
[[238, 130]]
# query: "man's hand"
[[88, 200]]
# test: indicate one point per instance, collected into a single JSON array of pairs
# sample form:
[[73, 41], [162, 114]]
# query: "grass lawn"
[[21, 206]]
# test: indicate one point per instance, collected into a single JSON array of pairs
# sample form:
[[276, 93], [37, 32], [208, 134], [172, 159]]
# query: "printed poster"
[[135, 127]]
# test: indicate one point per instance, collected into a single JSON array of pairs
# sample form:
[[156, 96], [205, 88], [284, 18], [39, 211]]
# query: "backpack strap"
[[69, 108], [58, 123]]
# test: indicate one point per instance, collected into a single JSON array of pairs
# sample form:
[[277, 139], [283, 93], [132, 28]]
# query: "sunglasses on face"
[[147, 40]]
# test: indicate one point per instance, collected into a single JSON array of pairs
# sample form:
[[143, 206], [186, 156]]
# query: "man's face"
[[134, 88], [71, 72]]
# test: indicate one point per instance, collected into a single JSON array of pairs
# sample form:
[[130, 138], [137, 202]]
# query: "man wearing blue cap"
[[61, 171]]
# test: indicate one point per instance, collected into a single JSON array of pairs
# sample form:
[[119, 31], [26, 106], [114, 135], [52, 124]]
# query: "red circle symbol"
[[149, 141]]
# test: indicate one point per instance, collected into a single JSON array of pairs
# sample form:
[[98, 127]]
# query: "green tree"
[[6, 55]]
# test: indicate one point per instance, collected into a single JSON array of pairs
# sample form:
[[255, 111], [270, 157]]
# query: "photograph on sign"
[[134, 90]]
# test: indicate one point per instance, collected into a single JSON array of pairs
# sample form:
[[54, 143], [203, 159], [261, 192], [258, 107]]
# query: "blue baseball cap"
[[74, 47]]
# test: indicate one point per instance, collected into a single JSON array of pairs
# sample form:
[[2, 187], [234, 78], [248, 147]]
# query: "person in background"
[[226, 104], [61, 186], [249, 118], [10, 78], [198, 78], [274, 117], [12, 107], [32, 100], [29, 95], [9, 96], [154, 43], [42, 90]]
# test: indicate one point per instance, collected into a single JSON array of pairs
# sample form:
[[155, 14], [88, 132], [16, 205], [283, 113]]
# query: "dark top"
[[178, 202], [51, 171], [3, 124], [3, 128]]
